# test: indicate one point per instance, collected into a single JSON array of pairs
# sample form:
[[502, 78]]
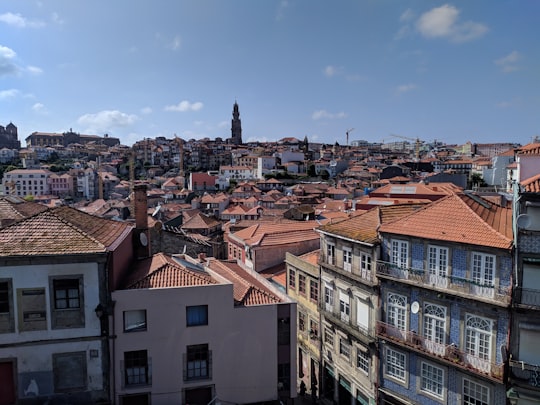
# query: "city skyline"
[[453, 72]]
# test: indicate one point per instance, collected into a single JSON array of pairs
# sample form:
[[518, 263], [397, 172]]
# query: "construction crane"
[[417, 143], [347, 132]]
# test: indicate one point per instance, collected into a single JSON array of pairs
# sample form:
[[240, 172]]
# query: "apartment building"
[[54, 270], [226, 335], [445, 291], [24, 182]]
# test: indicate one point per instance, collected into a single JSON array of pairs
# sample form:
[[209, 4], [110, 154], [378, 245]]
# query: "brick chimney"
[[141, 236]]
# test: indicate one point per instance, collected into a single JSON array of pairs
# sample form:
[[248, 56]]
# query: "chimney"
[[141, 206]]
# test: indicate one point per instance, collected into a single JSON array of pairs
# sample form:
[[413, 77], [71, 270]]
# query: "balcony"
[[449, 354], [361, 275], [528, 297], [525, 372], [365, 335], [498, 295]]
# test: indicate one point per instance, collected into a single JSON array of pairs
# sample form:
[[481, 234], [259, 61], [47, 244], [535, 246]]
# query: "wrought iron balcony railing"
[[500, 294], [448, 353], [523, 371]]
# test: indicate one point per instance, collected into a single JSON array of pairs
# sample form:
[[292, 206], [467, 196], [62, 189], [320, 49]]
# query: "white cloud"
[[34, 70], [404, 88], [55, 18], [7, 64], [146, 110], [184, 106], [444, 22], [7, 94], [323, 114], [176, 42], [103, 121], [407, 15], [17, 20], [508, 62], [331, 71], [282, 7], [39, 108]]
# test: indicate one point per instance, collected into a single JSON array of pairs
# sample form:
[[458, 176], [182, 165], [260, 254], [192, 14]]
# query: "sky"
[[381, 70]]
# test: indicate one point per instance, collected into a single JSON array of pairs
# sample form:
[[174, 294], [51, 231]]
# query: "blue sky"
[[456, 72]]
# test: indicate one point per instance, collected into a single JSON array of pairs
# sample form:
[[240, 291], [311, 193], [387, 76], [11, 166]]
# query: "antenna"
[[347, 133]]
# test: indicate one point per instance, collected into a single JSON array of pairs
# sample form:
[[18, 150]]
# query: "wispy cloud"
[[444, 22], [184, 106], [282, 7], [146, 110], [34, 70], [323, 114], [175, 43], [17, 20], [104, 120], [404, 88], [55, 18], [508, 63], [331, 71], [7, 61], [7, 94], [40, 108]]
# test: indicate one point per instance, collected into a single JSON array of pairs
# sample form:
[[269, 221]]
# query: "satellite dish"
[[523, 221], [415, 307], [143, 239]]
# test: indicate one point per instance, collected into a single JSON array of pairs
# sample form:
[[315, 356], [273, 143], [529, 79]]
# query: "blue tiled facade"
[[456, 309]]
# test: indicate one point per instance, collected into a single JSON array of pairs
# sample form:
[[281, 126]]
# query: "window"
[[474, 393], [395, 364], [313, 329], [292, 279], [197, 315], [328, 297], [32, 313], [478, 336], [136, 368], [438, 265], [69, 371], [435, 323], [135, 320], [362, 360], [67, 302], [7, 322], [301, 321], [329, 336], [432, 380], [66, 294], [314, 290], [197, 362], [302, 284], [365, 263], [399, 254], [330, 254], [344, 306], [345, 348], [347, 259], [483, 273], [362, 315], [396, 311]]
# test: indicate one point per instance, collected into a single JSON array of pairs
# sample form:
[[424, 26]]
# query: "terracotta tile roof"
[[62, 231], [458, 218], [14, 209], [311, 257], [530, 149], [264, 234], [531, 185], [200, 221], [162, 271], [364, 227], [247, 289]]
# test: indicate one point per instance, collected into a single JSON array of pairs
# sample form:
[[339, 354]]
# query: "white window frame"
[[434, 327], [365, 263], [438, 265], [328, 297], [395, 365], [363, 360], [483, 273], [474, 393], [331, 253], [344, 306], [396, 310], [399, 253], [432, 379], [344, 348], [347, 259], [362, 321], [478, 336]]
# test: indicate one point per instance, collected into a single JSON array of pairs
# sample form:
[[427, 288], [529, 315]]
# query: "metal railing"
[[450, 353]]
